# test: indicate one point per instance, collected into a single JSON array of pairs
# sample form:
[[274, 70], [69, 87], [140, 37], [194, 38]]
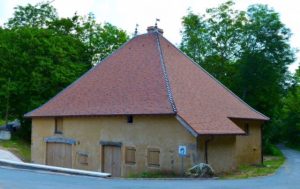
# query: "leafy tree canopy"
[[248, 51], [32, 16], [41, 54]]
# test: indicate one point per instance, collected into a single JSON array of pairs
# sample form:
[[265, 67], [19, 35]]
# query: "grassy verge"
[[154, 175], [18, 147], [270, 166]]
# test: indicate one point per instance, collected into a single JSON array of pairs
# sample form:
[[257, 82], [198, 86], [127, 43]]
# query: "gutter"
[[186, 126]]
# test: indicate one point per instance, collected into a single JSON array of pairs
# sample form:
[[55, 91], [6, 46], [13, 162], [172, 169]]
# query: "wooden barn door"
[[112, 160], [59, 154]]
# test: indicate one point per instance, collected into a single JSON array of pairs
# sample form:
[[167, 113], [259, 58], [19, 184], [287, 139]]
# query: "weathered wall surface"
[[220, 152], [162, 132], [248, 147], [226, 153], [41, 128]]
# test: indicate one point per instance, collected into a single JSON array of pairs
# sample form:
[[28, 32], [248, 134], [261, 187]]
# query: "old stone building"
[[139, 109]]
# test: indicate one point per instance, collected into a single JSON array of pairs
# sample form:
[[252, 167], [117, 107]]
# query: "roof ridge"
[[227, 89], [81, 77], [165, 74]]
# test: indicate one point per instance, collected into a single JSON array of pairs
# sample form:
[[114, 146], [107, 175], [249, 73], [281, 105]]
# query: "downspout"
[[261, 144], [206, 148], [198, 149]]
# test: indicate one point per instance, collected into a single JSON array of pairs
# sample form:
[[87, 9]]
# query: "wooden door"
[[59, 154], [112, 160]]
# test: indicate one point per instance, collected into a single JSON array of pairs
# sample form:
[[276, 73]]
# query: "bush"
[[24, 132], [270, 149]]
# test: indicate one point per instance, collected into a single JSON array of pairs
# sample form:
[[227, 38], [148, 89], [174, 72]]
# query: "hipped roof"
[[149, 76]]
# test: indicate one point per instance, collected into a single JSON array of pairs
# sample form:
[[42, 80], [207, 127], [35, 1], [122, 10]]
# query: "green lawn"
[[18, 147], [154, 175], [271, 164]]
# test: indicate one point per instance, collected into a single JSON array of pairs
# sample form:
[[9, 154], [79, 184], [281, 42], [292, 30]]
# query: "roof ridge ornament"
[[136, 30], [156, 20], [155, 28]]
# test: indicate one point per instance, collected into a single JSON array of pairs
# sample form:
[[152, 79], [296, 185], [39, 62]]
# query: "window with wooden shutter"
[[153, 157], [58, 126], [130, 155], [82, 158]]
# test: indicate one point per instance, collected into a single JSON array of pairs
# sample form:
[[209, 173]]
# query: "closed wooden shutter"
[[82, 158], [130, 155], [153, 157]]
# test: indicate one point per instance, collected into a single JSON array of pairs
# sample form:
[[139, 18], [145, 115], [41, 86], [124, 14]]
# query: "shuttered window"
[[153, 157], [130, 155], [58, 125], [82, 158]]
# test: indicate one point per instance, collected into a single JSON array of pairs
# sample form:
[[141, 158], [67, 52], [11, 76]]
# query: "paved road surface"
[[4, 154], [288, 177]]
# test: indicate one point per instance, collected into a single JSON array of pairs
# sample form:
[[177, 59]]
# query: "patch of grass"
[[2, 122], [270, 166], [154, 175], [18, 147]]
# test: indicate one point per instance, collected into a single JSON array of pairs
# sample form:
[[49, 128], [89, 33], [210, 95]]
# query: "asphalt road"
[[288, 177]]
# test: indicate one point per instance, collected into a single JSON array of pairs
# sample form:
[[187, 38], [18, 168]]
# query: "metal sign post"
[[182, 153]]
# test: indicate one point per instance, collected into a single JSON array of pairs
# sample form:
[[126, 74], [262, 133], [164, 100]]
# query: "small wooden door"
[[112, 160], [59, 154]]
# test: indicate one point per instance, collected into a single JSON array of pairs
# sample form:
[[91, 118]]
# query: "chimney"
[[151, 29]]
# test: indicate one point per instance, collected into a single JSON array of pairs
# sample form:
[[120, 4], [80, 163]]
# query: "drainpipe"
[[206, 148], [198, 149], [261, 144]]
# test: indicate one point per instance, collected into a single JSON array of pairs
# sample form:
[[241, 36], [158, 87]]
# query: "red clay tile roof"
[[202, 101], [148, 75]]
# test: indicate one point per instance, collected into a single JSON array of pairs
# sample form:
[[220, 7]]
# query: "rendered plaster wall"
[[248, 147], [162, 132], [220, 152]]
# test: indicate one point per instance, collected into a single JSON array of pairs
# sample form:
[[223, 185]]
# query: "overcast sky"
[[126, 14]]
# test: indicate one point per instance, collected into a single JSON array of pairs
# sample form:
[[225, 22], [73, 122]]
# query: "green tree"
[[265, 58], [32, 16], [214, 39], [291, 112], [248, 51], [41, 54], [39, 64], [100, 39]]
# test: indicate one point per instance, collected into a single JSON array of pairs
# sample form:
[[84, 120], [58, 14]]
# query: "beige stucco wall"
[[248, 147], [225, 152], [41, 128], [220, 152], [163, 132]]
